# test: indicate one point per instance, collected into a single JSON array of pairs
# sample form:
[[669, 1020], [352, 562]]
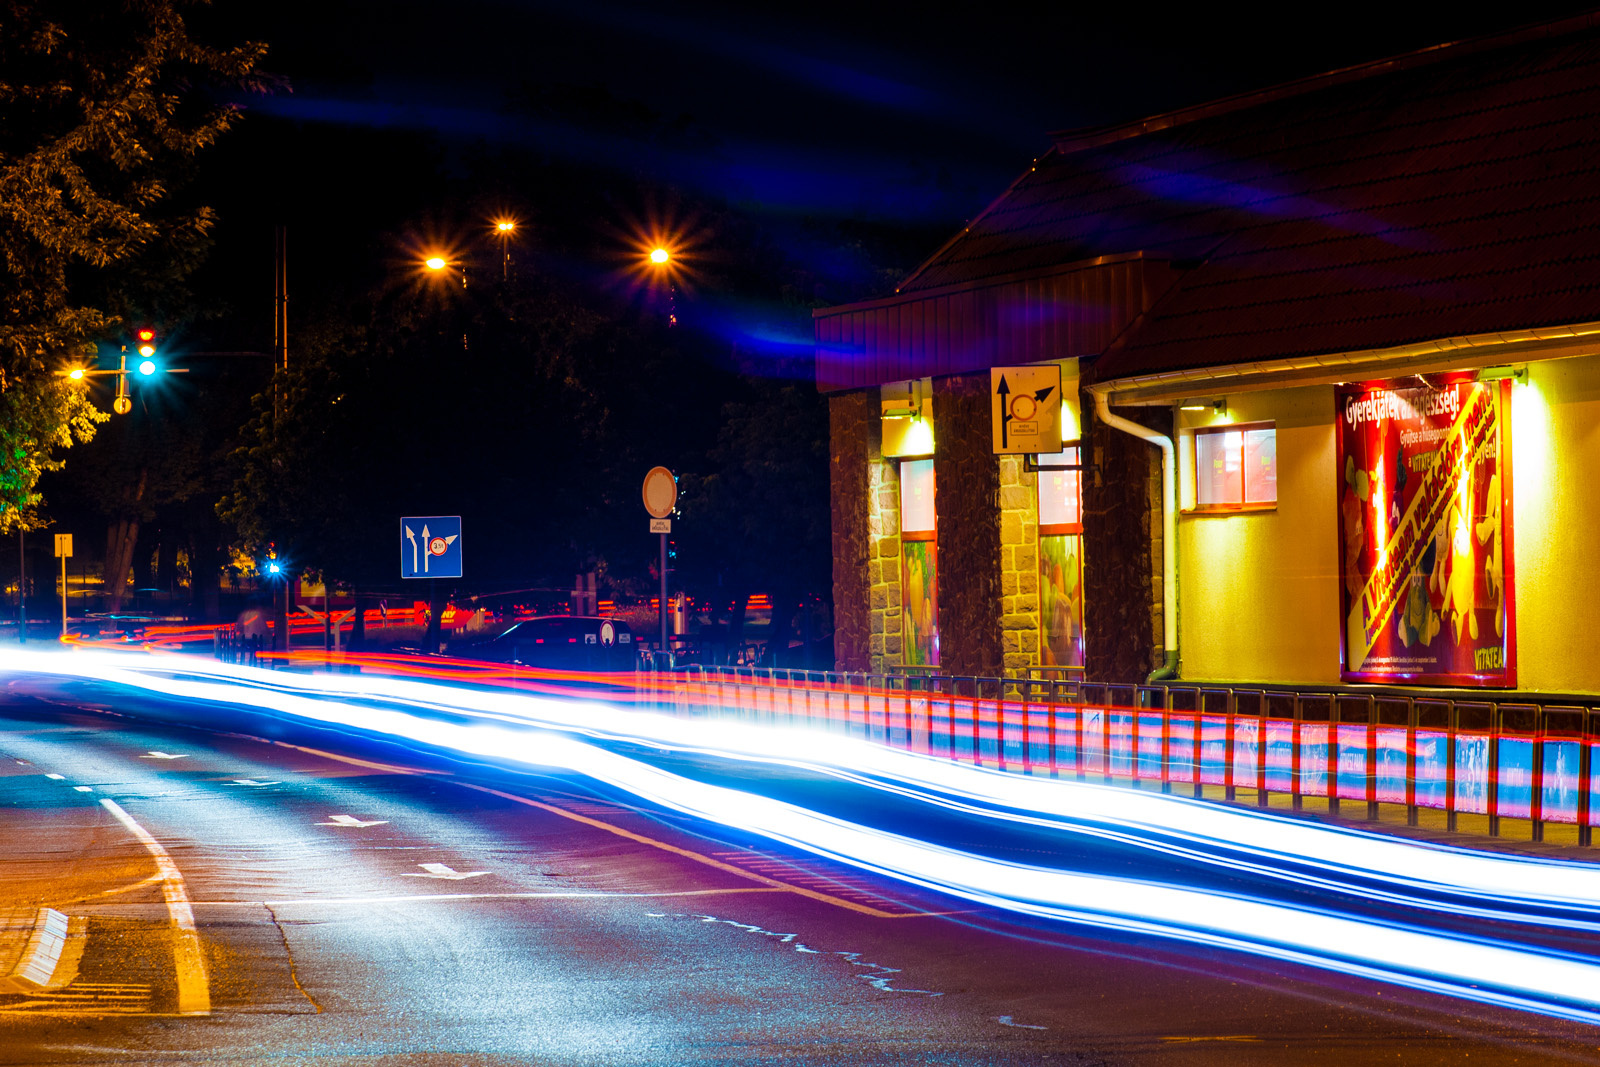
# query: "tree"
[[101, 107], [759, 520]]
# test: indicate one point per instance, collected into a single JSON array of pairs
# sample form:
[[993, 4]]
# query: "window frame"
[[1243, 505], [1074, 466]]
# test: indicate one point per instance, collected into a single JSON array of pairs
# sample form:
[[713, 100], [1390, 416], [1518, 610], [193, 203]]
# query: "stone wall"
[[852, 426], [967, 480], [883, 569], [1019, 566], [1122, 546]]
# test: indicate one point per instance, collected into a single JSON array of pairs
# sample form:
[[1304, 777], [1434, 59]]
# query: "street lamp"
[[659, 256], [436, 263], [503, 228]]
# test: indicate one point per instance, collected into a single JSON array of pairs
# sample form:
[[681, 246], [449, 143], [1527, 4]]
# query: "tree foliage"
[[101, 108]]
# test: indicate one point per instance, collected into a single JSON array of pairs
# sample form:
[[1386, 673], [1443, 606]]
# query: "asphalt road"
[[353, 906]]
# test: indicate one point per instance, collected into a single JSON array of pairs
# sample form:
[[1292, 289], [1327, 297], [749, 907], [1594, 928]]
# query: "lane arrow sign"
[[413, 539], [440, 870], [252, 781], [158, 754], [351, 820]]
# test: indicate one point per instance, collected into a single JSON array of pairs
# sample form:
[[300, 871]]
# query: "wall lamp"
[[1518, 372], [1217, 406]]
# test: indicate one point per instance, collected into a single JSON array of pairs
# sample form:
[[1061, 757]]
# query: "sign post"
[[660, 497], [63, 552], [430, 547]]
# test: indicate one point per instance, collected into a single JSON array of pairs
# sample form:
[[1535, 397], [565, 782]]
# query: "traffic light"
[[147, 342]]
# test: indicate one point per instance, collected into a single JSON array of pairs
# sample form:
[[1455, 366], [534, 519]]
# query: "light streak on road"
[[493, 725]]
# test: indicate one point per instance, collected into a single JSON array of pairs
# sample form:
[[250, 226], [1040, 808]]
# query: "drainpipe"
[[1169, 525]]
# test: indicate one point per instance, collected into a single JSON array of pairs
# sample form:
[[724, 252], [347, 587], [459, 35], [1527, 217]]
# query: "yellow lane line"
[[700, 857], [194, 989], [571, 895], [385, 767]]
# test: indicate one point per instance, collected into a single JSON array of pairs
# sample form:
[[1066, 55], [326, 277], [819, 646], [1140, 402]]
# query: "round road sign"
[[608, 633], [438, 546], [660, 492]]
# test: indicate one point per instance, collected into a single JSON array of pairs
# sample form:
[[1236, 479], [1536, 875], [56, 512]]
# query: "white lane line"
[[194, 989], [84, 788], [252, 781], [55, 777]]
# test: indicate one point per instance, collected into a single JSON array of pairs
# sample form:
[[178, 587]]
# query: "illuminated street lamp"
[[660, 256], [436, 263], [503, 228]]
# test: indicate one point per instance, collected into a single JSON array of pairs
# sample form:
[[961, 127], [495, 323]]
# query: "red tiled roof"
[[1455, 196]]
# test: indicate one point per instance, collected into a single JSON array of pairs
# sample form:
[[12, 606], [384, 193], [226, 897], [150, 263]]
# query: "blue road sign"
[[430, 547]]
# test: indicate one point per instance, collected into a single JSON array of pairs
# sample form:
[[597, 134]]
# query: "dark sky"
[[803, 120], [906, 111]]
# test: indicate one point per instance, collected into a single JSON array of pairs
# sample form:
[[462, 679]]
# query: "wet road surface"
[[354, 907]]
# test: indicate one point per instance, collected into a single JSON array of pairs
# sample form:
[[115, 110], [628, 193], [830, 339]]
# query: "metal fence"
[[1458, 753]]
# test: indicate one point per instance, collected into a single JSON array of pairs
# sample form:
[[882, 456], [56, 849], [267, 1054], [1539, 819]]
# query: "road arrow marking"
[[252, 781], [350, 820], [439, 870], [158, 754]]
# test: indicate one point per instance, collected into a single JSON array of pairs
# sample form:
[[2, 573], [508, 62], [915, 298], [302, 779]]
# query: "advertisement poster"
[[1426, 587]]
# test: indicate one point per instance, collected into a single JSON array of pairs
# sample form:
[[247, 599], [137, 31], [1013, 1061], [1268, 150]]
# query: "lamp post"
[[503, 228]]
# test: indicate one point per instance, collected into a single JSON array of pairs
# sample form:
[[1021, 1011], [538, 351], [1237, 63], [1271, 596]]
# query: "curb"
[[35, 965]]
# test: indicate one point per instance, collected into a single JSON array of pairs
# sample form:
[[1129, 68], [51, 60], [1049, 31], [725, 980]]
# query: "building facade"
[[1330, 394]]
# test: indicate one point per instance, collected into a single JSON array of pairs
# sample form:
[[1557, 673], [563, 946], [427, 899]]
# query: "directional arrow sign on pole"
[[351, 820], [439, 870], [430, 546]]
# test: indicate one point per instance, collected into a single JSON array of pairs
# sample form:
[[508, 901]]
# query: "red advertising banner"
[[1426, 585]]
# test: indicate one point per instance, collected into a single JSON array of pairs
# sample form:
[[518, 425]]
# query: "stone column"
[[1019, 567], [852, 426], [967, 496]]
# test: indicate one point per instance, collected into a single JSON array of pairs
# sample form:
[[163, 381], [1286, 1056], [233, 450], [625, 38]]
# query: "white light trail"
[[1489, 971]]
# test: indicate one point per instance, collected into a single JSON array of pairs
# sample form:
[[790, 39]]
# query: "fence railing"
[[1461, 755]]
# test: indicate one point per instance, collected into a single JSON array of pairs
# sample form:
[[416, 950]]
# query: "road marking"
[[55, 777], [252, 781], [84, 788], [351, 820], [1220, 1037], [188, 958], [158, 754], [130, 887], [571, 894], [700, 857], [386, 767], [1005, 1020], [440, 870]]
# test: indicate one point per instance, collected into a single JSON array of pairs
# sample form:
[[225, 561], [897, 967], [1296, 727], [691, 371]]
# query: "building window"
[[1236, 467], [1060, 560], [919, 564]]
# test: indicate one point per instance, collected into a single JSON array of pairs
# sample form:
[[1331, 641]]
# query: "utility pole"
[[22, 588], [280, 363]]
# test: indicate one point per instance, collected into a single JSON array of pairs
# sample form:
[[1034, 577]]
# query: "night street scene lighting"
[[1038, 536]]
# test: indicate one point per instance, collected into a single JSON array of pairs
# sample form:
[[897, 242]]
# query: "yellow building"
[[1332, 357]]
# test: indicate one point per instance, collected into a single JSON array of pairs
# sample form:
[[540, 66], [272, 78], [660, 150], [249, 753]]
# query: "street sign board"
[[660, 493], [660, 525], [1025, 408], [430, 546], [63, 545]]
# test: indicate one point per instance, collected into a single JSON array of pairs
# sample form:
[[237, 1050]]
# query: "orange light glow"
[[505, 225], [147, 335], [435, 262], [76, 374], [659, 255]]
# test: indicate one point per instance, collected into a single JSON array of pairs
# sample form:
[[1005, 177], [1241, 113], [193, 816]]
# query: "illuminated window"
[[1236, 467], [919, 564], [1060, 560]]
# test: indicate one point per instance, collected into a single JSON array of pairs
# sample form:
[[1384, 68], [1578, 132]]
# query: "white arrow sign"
[[439, 870], [158, 754], [252, 781], [351, 820]]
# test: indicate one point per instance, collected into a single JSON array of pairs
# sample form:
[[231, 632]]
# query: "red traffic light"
[[147, 335]]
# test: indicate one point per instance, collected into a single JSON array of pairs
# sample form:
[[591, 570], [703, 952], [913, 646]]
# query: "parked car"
[[559, 642]]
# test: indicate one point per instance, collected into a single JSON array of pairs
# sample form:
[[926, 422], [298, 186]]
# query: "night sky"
[[907, 118]]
